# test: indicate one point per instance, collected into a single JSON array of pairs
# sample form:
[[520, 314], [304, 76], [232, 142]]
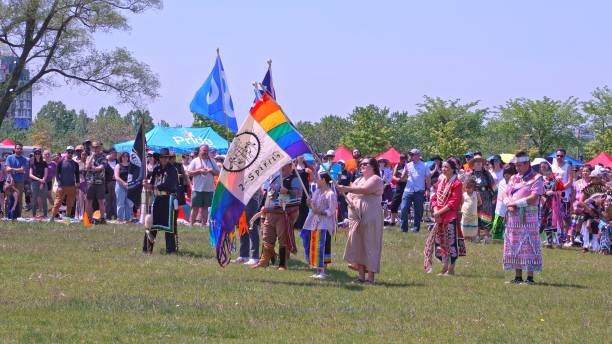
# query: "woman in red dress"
[[445, 237]]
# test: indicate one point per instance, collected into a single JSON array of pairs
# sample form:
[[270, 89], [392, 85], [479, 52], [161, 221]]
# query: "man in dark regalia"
[[164, 180]]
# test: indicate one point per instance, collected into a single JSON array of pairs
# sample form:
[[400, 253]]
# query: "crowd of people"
[[527, 204]]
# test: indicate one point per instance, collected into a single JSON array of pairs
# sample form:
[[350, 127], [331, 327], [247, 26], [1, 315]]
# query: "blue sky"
[[330, 56]]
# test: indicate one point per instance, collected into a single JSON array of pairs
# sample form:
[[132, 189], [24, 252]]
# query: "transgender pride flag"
[[266, 141]]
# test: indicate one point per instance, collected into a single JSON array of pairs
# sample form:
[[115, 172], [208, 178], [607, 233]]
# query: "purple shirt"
[[51, 171]]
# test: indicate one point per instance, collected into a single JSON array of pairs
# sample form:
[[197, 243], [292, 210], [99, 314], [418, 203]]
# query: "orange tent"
[[392, 155], [603, 158], [343, 154]]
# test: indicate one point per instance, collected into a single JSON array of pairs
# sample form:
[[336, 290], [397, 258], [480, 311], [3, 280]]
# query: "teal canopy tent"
[[179, 140]]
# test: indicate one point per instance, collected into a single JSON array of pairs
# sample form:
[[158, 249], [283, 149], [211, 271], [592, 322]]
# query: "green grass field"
[[62, 283]]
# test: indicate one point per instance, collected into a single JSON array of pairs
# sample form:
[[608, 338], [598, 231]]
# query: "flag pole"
[[270, 70], [143, 161], [222, 93]]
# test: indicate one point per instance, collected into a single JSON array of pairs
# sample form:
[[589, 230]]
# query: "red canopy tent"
[[603, 158], [343, 154], [7, 142], [392, 155]]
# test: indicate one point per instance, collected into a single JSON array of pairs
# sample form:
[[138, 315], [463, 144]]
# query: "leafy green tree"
[[13, 133], [136, 116], [434, 114], [324, 134], [599, 110], [53, 40], [445, 143], [42, 134], [542, 125], [602, 143], [55, 112], [402, 127], [497, 138], [109, 127], [81, 124], [369, 131], [164, 124], [202, 122], [599, 114]]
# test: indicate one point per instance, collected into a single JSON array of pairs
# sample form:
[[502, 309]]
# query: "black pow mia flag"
[[138, 166]]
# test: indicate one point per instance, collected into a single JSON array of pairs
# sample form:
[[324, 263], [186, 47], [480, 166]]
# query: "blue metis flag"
[[213, 99]]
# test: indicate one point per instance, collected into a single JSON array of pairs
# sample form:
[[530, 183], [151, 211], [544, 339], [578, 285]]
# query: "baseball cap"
[[69, 148], [415, 151], [330, 153]]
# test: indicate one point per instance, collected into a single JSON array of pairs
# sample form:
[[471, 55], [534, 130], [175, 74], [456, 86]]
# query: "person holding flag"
[[137, 169], [281, 210], [164, 181], [266, 143]]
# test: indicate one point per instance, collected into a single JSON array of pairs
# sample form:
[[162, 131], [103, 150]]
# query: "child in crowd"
[[595, 210], [469, 209], [12, 195], [500, 207], [320, 225], [550, 206]]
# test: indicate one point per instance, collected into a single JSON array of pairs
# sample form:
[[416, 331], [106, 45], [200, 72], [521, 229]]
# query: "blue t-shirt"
[[15, 161], [417, 175]]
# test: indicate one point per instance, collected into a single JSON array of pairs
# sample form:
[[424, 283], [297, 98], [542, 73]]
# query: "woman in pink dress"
[[522, 246], [364, 198]]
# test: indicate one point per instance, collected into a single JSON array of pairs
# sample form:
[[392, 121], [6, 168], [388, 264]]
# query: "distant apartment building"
[[20, 112]]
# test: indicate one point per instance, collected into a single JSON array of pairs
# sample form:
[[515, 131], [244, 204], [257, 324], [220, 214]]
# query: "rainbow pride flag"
[[266, 141]]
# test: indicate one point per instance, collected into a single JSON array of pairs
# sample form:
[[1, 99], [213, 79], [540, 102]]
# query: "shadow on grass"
[[191, 254], [398, 285], [468, 275], [560, 285], [320, 283]]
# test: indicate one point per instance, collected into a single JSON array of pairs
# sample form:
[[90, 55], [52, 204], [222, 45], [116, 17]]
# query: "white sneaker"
[[567, 244], [322, 275], [252, 261], [240, 260]]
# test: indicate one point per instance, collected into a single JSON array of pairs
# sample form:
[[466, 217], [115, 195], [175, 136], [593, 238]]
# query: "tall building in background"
[[20, 112]]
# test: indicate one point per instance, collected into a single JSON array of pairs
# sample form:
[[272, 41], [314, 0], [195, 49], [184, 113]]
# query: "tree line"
[[452, 127], [55, 127], [438, 127]]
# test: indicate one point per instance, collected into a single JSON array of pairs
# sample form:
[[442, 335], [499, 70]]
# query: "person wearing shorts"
[[202, 169]]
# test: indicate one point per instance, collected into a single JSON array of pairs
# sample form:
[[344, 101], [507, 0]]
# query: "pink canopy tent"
[[391, 155], [343, 154], [603, 158], [7, 142]]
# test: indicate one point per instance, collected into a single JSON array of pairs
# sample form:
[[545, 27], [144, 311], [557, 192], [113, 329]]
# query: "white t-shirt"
[[497, 176], [562, 172], [203, 182], [500, 206]]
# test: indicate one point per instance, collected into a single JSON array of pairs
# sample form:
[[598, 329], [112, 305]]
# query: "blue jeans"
[[408, 199], [39, 190], [249, 244], [124, 205]]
